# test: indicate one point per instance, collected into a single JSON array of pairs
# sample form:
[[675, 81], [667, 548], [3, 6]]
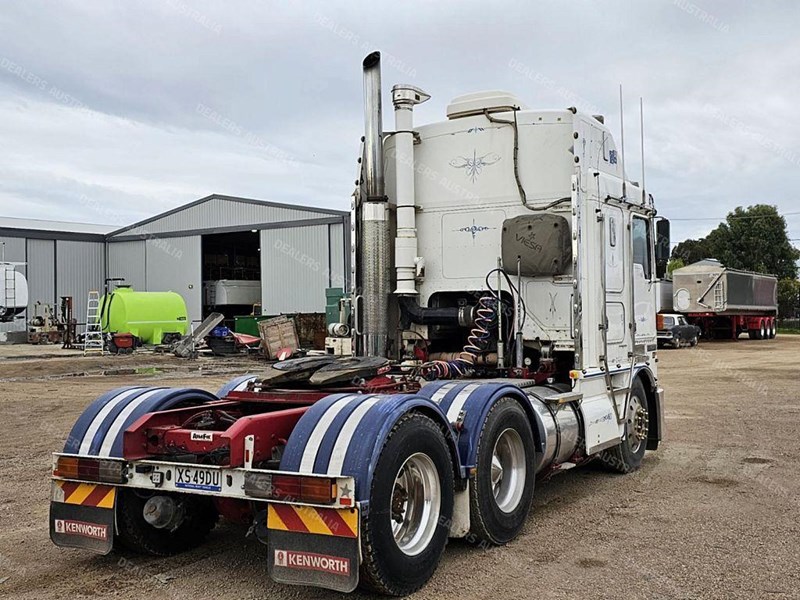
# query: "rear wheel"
[[773, 330], [411, 506], [627, 456], [163, 524], [502, 490]]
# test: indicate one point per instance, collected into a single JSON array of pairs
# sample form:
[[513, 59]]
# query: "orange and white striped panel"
[[307, 519], [84, 494]]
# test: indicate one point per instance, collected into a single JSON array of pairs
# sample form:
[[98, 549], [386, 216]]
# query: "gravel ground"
[[712, 514]]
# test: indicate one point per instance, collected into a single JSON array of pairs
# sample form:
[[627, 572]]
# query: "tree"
[[752, 239], [675, 263], [690, 251], [788, 298]]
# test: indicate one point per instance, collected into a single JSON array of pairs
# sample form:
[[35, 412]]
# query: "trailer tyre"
[[627, 456], [405, 530], [502, 490], [197, 518]]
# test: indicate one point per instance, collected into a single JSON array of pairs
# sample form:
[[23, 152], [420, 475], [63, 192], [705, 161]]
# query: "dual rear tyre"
[[407, 526], [502, 490]]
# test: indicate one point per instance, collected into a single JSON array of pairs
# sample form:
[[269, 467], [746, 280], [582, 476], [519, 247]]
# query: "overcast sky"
[[111, 112]]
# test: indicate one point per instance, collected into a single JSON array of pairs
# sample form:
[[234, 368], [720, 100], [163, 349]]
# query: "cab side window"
[[641, 244]]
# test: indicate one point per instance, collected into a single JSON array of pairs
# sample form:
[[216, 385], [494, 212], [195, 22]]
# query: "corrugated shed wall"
[[80, 267], [294, 269], [127, 260], [336, 242], [14, 252], [220, 212], [174, 265], [41, 273]]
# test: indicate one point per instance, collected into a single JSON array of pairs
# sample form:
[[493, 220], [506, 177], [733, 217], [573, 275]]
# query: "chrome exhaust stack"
[[375, 239]]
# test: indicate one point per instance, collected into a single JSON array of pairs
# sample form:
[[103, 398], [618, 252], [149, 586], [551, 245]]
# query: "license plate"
[[207, 480]]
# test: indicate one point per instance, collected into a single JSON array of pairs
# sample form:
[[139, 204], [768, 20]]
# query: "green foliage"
[[675, 263], [690, 251], [788, 298], [752, 239]]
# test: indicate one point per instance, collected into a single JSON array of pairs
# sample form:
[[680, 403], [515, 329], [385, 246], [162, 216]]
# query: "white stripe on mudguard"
[[460, 400], [320, 429], [243, 386], [86, 442], [116, 426], [346, 435], [439, 394]]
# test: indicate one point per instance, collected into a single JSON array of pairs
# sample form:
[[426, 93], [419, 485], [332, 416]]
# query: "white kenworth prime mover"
[[502, 316]]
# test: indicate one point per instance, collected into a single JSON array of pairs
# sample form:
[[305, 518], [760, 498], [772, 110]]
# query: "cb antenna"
[[641, 130], [622, 142]]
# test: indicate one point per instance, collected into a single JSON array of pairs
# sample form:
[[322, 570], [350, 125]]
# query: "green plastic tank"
[[150, 316]]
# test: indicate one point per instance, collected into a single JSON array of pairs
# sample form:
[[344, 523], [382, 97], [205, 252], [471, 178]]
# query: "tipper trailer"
[[725, 302], [503, 321]]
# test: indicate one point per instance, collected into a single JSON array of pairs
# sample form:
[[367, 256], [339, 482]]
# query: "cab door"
[[644, 309]]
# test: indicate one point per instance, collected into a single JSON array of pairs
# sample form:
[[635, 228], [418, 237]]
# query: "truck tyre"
[[627, 456], [194, 517], [405, 530], [774, 330], [502, 490], [694, 341], [762, 334]]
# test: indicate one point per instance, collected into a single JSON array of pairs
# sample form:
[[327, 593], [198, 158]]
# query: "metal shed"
[[61, 259], [294, 252], [301, 250]]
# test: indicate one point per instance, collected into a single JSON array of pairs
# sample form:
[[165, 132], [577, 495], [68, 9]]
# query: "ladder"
[[93, 337], [719, 297], [9, 290]]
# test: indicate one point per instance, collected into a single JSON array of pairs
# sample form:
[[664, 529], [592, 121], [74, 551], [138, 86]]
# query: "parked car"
[[675, 331]]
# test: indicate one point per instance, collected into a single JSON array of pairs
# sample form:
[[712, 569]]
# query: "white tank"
[[13, 292]]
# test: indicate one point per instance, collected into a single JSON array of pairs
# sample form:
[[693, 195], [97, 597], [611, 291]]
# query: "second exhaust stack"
[[375, 240]]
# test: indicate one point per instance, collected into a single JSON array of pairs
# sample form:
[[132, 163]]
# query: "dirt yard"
[[712, 514]]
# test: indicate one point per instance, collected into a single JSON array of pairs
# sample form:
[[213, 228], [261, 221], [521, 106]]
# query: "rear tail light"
[[291, 488], [91, 469]]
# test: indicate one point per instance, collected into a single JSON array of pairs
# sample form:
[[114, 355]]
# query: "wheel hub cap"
[[636, 425], [508, 470], [415, 504]]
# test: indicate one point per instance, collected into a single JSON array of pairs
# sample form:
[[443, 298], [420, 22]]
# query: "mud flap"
[[82, 516], [313, 546]]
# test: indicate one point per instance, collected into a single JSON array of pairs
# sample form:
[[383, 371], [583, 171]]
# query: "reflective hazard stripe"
[[309, 519], [84, 494]]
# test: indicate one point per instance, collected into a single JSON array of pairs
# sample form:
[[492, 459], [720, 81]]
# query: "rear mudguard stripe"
[[323, 427], [352, 444], [87, 425], [238, 384], [475, 400], [114, 427], [293, 454], [331, 434], [99, 430], [346, 435], [103, 422]]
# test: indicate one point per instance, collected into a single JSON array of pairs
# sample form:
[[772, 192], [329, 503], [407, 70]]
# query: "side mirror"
[[662, 247]]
